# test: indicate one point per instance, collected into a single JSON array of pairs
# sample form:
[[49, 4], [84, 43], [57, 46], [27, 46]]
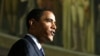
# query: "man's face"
[[45, 27]]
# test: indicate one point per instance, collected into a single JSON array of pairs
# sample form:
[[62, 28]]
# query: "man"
[[41, 28]]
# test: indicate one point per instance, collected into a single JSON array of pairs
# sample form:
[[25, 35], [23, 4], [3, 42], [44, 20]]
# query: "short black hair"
[[35, 14]]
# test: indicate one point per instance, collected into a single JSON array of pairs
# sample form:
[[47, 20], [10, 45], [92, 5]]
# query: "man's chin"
[[48, 39], [51, 39]]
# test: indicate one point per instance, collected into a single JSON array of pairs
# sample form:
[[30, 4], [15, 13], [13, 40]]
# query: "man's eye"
[[49, 20]]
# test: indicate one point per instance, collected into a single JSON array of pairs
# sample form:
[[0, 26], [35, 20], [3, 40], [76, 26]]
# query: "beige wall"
[[58, 51]]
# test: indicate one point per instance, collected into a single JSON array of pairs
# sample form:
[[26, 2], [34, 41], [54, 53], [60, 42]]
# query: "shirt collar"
[[36, 41]]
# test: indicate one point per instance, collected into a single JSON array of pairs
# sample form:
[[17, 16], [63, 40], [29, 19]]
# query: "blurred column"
[[11, 7], [85, 35], [90, 37], [66, 28], [1, 13]]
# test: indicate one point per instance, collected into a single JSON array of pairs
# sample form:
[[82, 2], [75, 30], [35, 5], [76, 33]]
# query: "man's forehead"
[[49, 15]]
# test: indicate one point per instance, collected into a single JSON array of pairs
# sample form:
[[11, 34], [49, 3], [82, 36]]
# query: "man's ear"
[[31, 22]]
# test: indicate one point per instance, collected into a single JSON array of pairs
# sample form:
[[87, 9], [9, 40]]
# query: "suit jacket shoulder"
[[24, 47]]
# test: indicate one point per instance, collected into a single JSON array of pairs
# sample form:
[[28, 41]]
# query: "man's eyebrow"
[[47, 18], [50, 19]]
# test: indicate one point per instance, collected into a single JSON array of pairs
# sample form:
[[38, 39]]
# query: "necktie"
[[42, 51]]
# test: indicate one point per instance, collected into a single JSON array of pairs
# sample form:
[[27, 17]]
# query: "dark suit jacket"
[[24, 47]]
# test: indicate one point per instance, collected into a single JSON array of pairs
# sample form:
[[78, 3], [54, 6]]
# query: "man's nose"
[[54, 26]]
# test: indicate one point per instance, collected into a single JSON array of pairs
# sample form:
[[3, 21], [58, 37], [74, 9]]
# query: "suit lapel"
[[33, 44]]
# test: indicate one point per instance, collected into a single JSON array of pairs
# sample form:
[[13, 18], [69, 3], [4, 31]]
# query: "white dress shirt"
[[36, 41]]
